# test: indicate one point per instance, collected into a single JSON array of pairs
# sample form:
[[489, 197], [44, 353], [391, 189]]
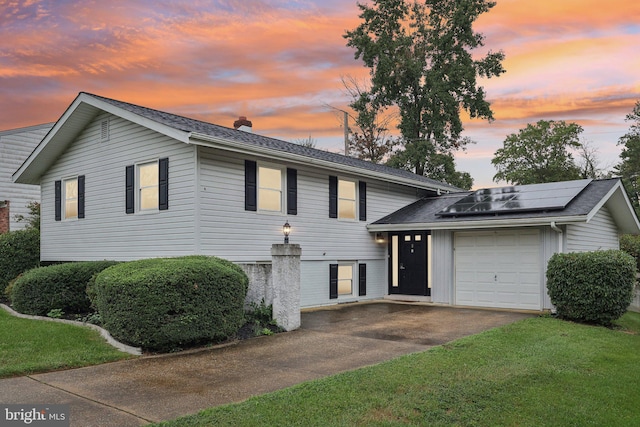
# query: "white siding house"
[[15, 147], [228, 194], [124, 182]]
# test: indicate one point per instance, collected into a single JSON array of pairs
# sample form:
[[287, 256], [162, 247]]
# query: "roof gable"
[[86, 106]]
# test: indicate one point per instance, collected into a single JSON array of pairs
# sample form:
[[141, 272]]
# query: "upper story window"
[[346, 199], [148, 183], [270, 185], [147, 186], [70, 198], [270, 188]]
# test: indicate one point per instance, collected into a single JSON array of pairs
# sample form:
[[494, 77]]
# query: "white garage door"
[[498, 269]]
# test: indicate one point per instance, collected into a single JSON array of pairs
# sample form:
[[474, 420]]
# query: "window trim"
[[133, 199], [138, 187]]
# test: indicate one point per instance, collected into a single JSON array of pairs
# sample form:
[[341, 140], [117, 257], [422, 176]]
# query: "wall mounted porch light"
[[286, 230], [379, 237]]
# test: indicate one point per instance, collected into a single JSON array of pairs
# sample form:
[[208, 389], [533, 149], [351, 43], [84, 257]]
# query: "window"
[[147, 186], [264, 188], [269, 189], [345, 279], [342, 280], [345, 199], [69, 198]]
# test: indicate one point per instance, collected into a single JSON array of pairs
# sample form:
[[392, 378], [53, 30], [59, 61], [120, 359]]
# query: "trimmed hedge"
[[60, 286], [19, 252], [591, 287], [167, 303]]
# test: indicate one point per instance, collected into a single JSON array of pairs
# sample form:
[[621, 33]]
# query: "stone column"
[[285, 262]]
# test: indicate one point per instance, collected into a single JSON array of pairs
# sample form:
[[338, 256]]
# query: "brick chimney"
[[243, 124]]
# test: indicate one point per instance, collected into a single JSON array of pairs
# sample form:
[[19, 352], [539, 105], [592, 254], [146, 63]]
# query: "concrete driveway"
[[331, 340]]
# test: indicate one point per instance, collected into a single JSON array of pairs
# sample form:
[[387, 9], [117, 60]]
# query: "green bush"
[[591, 287], [164, 304], [631, 244], [56, 287], [19, 252]]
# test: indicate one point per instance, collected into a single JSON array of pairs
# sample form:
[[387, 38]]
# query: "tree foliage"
[[33, 219], [369, 138], [629, 168], [420, 60], [539, 153]]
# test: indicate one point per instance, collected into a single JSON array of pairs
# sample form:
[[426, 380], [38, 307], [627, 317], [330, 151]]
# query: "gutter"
[[558, 230], [477, 224]]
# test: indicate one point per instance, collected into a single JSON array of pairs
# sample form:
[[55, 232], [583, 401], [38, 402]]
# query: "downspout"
[[558, 230]]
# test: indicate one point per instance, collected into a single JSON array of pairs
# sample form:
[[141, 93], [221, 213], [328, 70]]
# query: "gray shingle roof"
[[191, 125], [424, 210]]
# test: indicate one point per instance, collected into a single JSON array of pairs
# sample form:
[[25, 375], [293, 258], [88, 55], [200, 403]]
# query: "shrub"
[[19, 252], [591, 287], [56, 287], [631, 245], [164, 304]]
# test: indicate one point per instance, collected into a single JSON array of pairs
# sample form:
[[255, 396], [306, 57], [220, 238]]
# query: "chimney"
[[243, 124]]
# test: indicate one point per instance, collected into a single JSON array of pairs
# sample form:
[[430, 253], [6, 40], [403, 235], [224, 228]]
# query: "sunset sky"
[[280, 63]]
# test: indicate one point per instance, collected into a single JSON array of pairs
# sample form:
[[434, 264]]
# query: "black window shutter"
[[81, 196], [292, 191], [58, 200], [250, 186], [333, 281], [130, 190], [362, 194], [333, 197], [362, 279], [163, 184]]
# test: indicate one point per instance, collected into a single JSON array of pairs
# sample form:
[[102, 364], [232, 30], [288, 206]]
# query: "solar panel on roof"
[[517, 198]]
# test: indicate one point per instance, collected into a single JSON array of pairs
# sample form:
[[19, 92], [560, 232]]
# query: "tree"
[[589, 163], [33, 218], [369, 137], [420, 60], [306, 142], [629, 168], [539, 153]]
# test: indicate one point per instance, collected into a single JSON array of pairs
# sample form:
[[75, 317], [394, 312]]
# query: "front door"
[[409, 264]]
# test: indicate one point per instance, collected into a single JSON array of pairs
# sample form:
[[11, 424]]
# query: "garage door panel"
[[498, 269]]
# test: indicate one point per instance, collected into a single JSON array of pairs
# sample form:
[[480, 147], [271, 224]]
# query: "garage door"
[[498, 269]]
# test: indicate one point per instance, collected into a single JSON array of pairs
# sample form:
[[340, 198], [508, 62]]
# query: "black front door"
[[409, 264]]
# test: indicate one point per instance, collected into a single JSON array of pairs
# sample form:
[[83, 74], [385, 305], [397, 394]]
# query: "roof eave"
[[620, 208], [56, 141], [244, 148], [485, 223]]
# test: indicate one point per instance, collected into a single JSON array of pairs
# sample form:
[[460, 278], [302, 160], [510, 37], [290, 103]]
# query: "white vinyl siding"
[[227, 230], [15, 147], [600, 233], [108, 232]]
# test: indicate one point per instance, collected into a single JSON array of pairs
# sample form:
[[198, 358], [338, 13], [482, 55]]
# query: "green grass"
[[537, 372], [31, 346]]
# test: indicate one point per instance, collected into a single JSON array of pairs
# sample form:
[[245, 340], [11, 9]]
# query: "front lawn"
[[31, 346], [540, 371]]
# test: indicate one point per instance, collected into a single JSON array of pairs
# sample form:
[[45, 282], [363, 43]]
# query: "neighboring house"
[[124, 182], [15, 147]]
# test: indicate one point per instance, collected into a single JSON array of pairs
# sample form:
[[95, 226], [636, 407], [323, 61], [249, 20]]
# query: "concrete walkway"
[[337, 339]]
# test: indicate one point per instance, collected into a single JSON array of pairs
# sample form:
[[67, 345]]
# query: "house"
[[15, 147], [123, 182]]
